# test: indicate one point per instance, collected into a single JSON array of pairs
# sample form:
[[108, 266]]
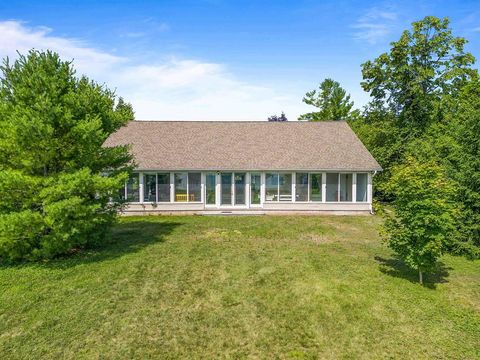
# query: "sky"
[[219, 59]]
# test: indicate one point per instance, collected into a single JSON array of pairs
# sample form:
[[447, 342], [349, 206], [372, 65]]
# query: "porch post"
[[324, 187], [262, 188], [172, 187], [141, 187], [294, 186], [369, 188], [247, 189], [217, 189], [354, 187], [202, 187]]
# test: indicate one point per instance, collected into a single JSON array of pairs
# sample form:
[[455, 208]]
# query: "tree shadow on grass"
[[125, 237], [396, 267]]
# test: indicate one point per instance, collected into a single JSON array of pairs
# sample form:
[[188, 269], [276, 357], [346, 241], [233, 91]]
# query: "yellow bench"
[[184, 197]]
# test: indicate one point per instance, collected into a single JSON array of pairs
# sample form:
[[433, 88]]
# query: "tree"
[[424, 220], [282, 117], [413, 87], [331, 100], [59, 185], [465, 167], [421, 67]]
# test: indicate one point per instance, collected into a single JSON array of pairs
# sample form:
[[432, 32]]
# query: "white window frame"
[[204, 184], [234, 190], [169, 183], [172, 183], [338, 186], [140, 188], [233, 203], [278, 186], [310, 186], [294, 182], [250, 203], [367, 187], [143, 187]]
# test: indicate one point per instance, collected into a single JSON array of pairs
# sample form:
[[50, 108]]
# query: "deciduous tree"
[[422, 66], [282, 117], [424, 221]]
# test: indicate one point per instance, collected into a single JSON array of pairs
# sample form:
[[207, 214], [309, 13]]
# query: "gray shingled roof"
[[242, 145]]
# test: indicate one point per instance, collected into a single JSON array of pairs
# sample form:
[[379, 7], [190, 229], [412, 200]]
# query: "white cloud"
[[17, 37], [172, 89], [375, 25]]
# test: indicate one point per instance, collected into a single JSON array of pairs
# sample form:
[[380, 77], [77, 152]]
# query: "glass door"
[[240, 188], [210, 180], [226, 189], [255, 180]]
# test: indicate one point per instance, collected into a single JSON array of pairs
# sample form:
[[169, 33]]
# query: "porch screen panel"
[[163, 187], [226, 189], [301, 187], [240, 188], [194, 187], [271, 187], [332, 187], [315, 187], [181, 181], [255, 188], [133, 188], [346, 187], [210, 188], [150, 187], [285, 187], [362, 181]]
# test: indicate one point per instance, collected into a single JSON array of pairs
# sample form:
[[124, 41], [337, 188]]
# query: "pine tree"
[[59, 185]]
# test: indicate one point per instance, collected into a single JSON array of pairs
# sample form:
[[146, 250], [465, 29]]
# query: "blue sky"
[[231, 60]]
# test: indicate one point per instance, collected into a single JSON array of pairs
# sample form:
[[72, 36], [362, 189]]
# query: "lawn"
[[240, 287]]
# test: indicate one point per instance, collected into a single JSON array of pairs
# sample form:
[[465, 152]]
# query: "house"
[[240, 166]]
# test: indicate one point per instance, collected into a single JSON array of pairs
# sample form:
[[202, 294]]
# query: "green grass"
[[240, 287]]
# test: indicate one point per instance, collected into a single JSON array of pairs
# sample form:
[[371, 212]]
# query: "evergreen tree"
[[332, 102], [59, 185]]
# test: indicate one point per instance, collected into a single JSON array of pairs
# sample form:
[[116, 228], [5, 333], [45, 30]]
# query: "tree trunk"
[[420, 276]]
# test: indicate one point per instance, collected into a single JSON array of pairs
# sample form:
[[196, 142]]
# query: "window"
[[315, 187], [121, 192], [163, 181], [271, 187], [210, 188], [332, 187], [301, 187], [150, 187], [285, 187], [362, 181], [346, 187], [133, 188], [239, 188], [226, 189], [181, 182], [188, 187], [278, 187], [194, 187], [255, 181]]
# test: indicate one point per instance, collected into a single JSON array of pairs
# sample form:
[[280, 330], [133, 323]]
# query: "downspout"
[[371, 204]]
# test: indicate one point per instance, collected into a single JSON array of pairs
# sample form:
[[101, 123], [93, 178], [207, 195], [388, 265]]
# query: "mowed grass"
[[240, 287]]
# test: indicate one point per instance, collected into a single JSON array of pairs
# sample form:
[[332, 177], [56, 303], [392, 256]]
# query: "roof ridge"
[[240, 121]]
